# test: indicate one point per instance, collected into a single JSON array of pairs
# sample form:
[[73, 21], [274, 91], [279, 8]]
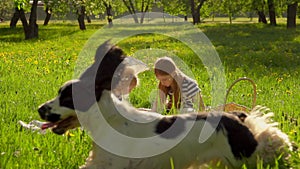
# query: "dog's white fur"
[[184, 154], [270, 138], [188, 153]]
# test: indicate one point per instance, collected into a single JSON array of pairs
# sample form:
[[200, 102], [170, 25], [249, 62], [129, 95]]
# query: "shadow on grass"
[[255, 45], [54, 31]]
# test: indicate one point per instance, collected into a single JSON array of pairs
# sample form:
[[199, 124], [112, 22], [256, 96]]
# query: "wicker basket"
[[236, 107], [229, 107]]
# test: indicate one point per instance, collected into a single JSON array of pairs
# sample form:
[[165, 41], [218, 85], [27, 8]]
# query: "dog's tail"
[[272, 142]]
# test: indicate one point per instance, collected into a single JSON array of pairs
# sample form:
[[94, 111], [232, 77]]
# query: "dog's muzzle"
[[45, 113]]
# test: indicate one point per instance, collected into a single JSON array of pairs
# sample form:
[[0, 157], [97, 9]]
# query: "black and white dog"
[[155, 141]]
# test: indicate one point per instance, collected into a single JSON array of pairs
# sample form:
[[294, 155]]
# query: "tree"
[[291, 14], [80, 18], [31, 28], [272, 13], [109, 15], [48, 11], [6, 8], [142, 6], [196, 5], [213, 8], [259, 6], [232, 7], [103, 7], [62, 7], [20, 7], [175, 7]]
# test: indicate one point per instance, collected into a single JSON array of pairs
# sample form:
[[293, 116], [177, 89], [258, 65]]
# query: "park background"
[[32, 70]]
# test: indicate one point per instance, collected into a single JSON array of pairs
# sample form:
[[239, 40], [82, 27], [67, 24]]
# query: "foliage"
[[6, 9], [232, 8], [22, 4], [59, 7], [176, 7]]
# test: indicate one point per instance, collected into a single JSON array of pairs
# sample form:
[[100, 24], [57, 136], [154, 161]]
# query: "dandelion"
[[36, 62], [289, 92], [46, 70], [274, 74], [286, 75], [279, 80], [28, 60], [68, 62]]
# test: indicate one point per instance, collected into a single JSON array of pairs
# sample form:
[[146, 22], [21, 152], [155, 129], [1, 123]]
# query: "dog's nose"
[[43, 110]]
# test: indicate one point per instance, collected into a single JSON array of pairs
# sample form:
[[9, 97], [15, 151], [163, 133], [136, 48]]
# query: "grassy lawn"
[[31, 73]]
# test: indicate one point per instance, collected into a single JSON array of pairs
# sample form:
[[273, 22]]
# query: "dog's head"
[[82, 93]]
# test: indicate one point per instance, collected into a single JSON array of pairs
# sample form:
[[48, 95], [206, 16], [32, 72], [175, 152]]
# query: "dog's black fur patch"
[[240, 138], [66, 97], [241, 115], [166, 123], [103, 69], [43, 111], [108, 58]]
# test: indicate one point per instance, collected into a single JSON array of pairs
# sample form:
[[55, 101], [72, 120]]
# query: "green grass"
[[32, 71]]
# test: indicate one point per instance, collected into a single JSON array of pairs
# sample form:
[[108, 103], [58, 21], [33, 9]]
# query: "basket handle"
[[238, 80]]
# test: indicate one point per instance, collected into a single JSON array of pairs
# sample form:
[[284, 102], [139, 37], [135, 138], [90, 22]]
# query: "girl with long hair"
[[176, 90]]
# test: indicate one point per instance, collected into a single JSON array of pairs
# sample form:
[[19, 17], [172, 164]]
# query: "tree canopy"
[[187, 8]]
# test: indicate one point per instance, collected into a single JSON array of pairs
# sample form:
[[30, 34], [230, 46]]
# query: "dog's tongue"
[[47, 125]]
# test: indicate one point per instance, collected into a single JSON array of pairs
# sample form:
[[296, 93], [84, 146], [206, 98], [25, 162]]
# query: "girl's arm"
[[159, 102]]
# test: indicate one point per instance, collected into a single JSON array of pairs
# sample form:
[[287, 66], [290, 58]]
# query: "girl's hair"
[[166, 66]]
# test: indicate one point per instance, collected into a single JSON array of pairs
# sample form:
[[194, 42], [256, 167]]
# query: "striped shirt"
[[189, 89]]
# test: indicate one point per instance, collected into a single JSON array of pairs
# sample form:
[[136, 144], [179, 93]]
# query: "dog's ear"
[[101, 52], [109, 67], [99, 75]]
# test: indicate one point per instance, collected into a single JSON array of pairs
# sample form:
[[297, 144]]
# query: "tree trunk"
[[48, 12], [80, 18], [195, 14], [109, 15], [131, 10], [88, 19], [24, 21], [262, 17], [135, 18], [144, 10], [32, 31], [134, 12], [15, 18], [142, 17], [272, 13], [196, 11], [291, 15], [199, 8]]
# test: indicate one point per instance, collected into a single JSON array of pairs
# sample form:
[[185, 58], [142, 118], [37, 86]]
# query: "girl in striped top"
[[175, 88]]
